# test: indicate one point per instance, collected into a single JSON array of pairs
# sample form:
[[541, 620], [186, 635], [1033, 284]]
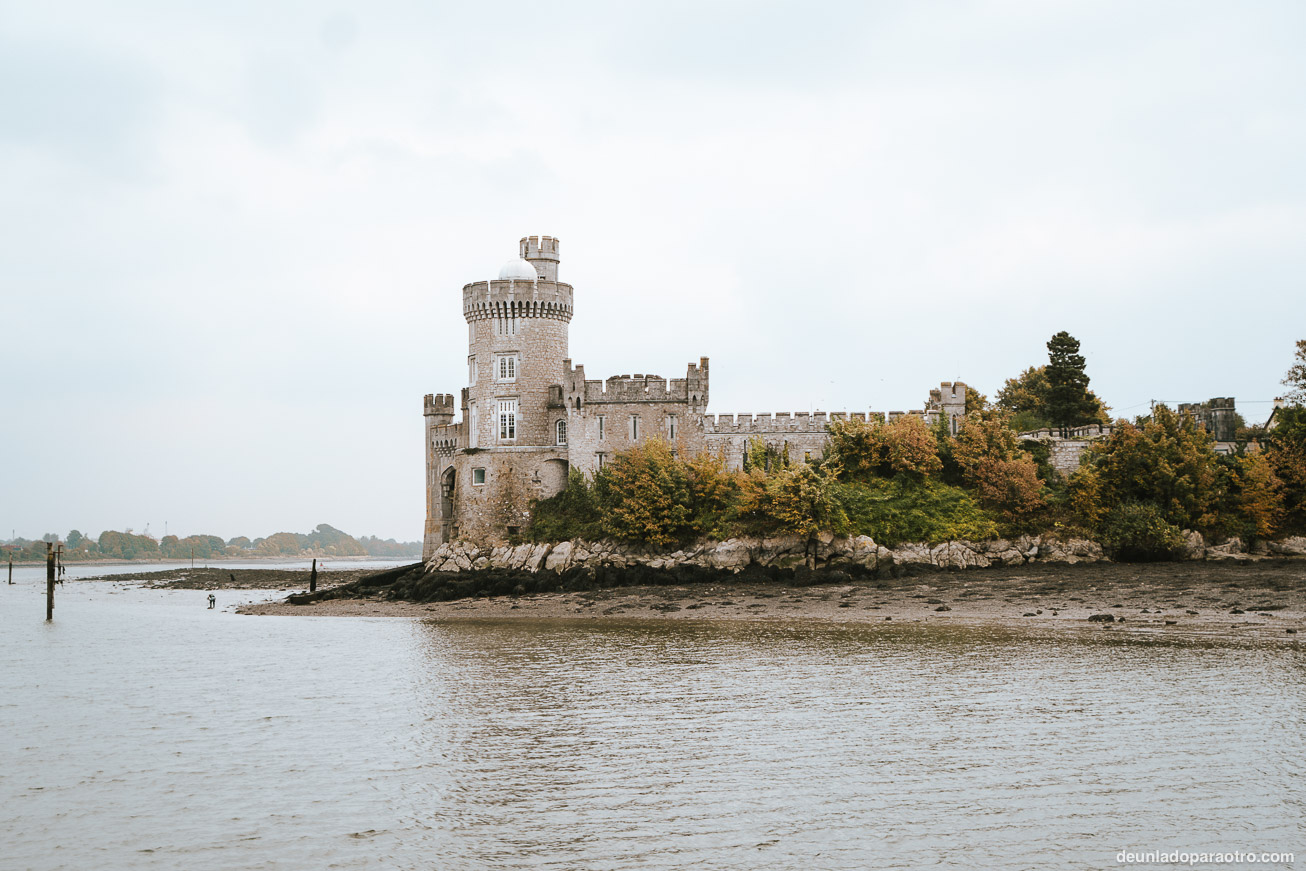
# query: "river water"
[[141, 730]]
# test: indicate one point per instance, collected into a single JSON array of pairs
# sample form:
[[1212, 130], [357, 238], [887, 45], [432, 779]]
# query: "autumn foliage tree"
[[866, 450], [1003, 476]]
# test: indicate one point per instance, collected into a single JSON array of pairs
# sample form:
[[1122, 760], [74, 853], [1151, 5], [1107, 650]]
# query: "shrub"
[[1137, 532], [905, 510]]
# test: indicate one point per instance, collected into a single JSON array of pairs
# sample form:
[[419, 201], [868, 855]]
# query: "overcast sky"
[[233, 236]]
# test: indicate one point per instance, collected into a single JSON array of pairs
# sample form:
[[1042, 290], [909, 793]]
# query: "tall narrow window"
[[507, 367], [560, 432], [507, 419], [671, 427], [471, 370], [472, 439], [634, 427], [471, 332], [505, 326], [603, 428], [601, 459]]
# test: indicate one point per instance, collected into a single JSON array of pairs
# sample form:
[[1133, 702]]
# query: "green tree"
[[1069, 402], [1165, 460], [1295, 380], [643, 495], [1285, 451], [1025, 398], [75, 539]]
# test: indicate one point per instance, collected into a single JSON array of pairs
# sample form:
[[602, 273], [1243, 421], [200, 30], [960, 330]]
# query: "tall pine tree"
[[1069, 402]]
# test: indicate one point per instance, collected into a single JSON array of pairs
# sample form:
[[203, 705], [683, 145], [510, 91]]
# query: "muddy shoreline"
[[1261, 601]]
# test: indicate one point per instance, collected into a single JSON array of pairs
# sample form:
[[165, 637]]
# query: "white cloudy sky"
[[233, 236]]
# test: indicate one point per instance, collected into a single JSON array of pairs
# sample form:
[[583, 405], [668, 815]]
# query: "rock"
[[1194, 546], [535, 560], [912, 555], [957, 555], [1292, 546], [1228, 547], [1101, 618], [943, 608], [559, 558], [731, 554]]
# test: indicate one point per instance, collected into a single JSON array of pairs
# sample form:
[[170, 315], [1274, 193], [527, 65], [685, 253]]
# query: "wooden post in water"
[[49, 580], [312, 578], [11, 566]]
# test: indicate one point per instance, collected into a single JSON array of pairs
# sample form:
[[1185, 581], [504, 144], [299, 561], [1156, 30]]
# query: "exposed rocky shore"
[[857, 554]]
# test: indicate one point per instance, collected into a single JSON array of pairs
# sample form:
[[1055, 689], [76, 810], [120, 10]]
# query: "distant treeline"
[[324, 541]]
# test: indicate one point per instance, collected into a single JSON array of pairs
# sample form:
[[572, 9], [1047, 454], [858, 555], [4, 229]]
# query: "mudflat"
[[1254, 601]]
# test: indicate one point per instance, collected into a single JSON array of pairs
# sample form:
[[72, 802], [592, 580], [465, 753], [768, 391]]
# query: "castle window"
[[471, 332], [478, 477], [471, 370], [507, 419], [506, 326], [560, 431], [671, 426], [603, 429], [507, 367], [634, 427], [601, 458], [472, 438]]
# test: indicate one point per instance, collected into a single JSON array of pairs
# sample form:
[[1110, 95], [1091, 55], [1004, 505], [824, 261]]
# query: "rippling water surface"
[[141, 730]]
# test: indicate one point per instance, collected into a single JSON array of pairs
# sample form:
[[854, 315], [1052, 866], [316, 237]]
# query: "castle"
[[528, 416]]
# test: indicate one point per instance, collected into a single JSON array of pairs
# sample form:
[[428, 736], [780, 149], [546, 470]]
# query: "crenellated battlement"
[[692, 389], [784, 422], [518, 299], [438, 408], [538, 248]]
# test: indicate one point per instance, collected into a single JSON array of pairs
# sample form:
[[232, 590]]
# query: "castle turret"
[[542, 253], [438, 409]]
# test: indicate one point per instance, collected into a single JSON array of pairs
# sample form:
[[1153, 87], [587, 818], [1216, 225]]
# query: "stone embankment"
[[857, 553]]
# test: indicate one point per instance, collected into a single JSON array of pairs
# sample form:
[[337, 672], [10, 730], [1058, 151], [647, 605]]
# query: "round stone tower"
[[517, 341]]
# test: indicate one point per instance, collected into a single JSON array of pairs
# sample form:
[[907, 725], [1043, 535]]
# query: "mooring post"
[[49, 580], [11, 566], [312, 578]]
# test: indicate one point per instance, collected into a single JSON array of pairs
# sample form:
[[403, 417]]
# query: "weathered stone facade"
[[528, 416]]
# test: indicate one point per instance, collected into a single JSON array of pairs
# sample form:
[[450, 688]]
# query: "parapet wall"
[[623, 389], [520, 298], [785, 422]]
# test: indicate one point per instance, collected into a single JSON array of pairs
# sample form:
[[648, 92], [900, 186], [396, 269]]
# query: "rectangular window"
[[601, 459], [471, 370], [507, 367], [634, 427], [471, 332], [603, 429], [671, 427], [505, 326], [507, 419], [478, 477], [472, 436]]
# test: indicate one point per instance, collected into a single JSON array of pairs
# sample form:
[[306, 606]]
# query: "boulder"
[[912, 555], [1229, 547], [1293, 546], [730, 554], [1194, 546], [559, 558], [535, 560], [956, 555]]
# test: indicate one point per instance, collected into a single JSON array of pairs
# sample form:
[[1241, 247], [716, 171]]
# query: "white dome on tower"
[[519, 269]]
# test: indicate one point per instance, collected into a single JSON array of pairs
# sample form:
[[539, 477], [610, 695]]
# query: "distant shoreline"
[[211, 559]]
